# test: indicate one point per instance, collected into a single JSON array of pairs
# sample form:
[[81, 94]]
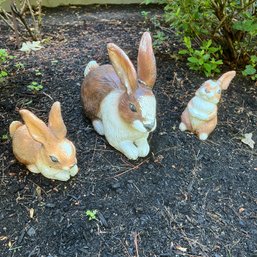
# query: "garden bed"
[[186, 198]]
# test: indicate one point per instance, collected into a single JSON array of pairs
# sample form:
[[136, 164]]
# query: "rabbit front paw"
[[62, 175], [203, 136], [182, 126], [33, 168], [99, 127], [142, 147], [74, 170], [129, 150]]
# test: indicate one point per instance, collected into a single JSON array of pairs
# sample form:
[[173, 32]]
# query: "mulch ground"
[[186, 198]]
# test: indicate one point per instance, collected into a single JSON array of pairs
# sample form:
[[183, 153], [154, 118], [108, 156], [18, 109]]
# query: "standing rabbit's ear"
[[55, 121], [36, 127], [123, 67], [226, 78], [146, 65]]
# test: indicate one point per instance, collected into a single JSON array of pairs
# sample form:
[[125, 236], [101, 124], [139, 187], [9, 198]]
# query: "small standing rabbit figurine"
[[120, 101], [200, 115], [44, 149]]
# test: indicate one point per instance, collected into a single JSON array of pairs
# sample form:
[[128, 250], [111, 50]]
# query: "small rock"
[[115, 185], [31, 232], [150, 166], [50, 205]]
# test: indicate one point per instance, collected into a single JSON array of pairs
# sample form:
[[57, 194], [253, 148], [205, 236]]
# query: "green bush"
[[231, 25], [205, 59]]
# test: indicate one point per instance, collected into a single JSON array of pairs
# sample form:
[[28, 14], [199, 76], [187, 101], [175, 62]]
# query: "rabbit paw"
[[99, 127], [74, 170], [182, 126], [203, 136], [129, 150], [62, 176], [33, 168], [142, 147]]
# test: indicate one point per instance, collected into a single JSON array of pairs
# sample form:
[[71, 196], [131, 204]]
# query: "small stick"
[[135, 235], [134, 168]]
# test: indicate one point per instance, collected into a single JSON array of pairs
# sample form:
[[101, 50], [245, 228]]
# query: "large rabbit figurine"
[[44, 149], [200, 115], [120, 101]]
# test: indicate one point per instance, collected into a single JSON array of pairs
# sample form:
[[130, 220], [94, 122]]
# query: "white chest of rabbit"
[[200, 111]]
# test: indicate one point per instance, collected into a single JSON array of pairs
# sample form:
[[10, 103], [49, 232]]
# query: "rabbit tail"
[[91, 66], [14, 126]]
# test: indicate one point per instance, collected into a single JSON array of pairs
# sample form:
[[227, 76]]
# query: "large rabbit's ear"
[[123, 67], [36, 127], [55, 121], [226, 78], [146, 65]]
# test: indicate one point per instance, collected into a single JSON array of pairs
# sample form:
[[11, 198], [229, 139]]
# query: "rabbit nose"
[[149, 126]]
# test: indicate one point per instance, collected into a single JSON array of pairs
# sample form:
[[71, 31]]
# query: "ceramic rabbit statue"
[[200, 115], [44, 149], [120, 101]]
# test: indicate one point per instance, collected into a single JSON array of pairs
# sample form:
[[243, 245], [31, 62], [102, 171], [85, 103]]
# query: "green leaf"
[[201, 61], [249, 70], [207, 66], [254, 59], [206, 57], [246, 25], [193, 60], [187, 42], [3, 74], [182, 52], [206, 44]]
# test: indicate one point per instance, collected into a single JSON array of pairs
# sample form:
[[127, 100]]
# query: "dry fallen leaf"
[[31, 213], [31, 46], [247, 139], [241, 210]]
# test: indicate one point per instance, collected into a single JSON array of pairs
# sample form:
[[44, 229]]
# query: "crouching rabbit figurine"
[[120, 101], [200, 115], [44, 149]]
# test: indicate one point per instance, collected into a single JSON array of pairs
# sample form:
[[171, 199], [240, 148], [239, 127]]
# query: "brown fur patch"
[[96, 86], [124, 110]]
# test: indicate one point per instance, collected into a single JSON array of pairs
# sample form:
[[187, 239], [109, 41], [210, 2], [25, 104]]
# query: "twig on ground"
[[133, 168], [135, 235]]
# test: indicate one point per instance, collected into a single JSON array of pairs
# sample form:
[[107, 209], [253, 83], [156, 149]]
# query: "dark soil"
[[187, 198]]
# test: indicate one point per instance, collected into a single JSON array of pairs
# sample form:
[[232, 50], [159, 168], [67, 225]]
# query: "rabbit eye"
[[53, 159], [132, 107], [219, 91]]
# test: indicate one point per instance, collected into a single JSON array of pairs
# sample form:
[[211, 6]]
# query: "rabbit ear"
[[36, 127], [55, 121], [123, 67], [146, 65], [226, 78]]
